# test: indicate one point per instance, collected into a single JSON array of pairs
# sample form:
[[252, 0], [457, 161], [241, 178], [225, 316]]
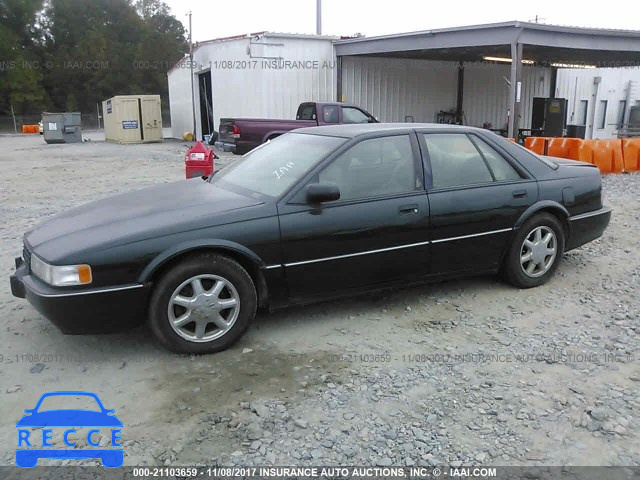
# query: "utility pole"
[[193, 94], [318, 17], [13, 115]]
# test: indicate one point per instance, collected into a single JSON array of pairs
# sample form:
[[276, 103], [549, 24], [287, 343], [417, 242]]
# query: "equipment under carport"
[[62, 127], [549, 116], [132, 119]]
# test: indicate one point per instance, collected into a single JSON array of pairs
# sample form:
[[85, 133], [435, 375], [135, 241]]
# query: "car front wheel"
[[535, 252], [202, 305]]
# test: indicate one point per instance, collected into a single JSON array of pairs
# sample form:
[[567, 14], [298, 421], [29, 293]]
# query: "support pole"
[[318, 17], [515, 89], [554, 82], [193, 94], [13, 115], [339, 79], [459, 111]]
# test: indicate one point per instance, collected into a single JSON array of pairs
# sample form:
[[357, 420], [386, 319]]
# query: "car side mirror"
[[28, 410], [322, 192]]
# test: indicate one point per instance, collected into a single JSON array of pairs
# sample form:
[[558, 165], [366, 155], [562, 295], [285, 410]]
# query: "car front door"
[[375, 233], [476, 194]]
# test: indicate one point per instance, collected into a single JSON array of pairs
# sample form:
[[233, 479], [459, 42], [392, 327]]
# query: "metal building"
[[256, 75], [453, 75], [599, 98]]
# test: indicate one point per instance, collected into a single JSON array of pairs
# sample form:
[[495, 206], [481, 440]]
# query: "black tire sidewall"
[[214, 264], [512, 268]]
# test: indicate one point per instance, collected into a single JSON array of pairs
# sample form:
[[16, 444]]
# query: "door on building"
[[206, 103], [150, 118]]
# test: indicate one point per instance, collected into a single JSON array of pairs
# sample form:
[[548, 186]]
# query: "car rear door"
[[375, 233], [476, 194]]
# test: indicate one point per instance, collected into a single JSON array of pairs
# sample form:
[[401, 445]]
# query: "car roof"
[[356, 129]]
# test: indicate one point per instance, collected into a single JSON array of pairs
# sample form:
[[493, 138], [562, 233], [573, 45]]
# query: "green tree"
[[20, 76], [59, 54]]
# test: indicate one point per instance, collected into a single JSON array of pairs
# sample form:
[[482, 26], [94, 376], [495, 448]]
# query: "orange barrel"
[[536, 144], [564, 148], [631, 154]]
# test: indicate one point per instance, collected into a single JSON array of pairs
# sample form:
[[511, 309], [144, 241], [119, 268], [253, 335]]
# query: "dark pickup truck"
[[240, 135]]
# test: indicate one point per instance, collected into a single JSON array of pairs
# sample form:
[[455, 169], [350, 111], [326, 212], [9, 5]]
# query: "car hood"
[[132, 216], [69, 418]]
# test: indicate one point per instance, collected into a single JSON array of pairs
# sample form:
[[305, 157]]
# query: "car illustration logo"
[[35, 444]]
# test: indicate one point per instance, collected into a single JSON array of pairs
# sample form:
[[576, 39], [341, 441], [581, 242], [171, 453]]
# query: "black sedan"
[[316, 213]]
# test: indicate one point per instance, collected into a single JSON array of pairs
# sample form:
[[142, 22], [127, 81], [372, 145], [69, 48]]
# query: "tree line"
[[67, 55]]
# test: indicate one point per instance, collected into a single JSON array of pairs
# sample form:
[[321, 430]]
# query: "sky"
[[214, 18]]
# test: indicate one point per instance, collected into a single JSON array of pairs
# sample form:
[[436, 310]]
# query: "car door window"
[[379, 166], [330, 114], [501, 168], [455, 161], [353, 115]]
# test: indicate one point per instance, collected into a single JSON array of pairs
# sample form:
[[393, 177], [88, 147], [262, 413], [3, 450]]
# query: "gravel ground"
[[457, 373]]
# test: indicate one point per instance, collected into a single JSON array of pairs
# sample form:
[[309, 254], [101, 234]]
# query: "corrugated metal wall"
[[180, 101], [577, 86], [393, 88], [245, 84], [486, 93]]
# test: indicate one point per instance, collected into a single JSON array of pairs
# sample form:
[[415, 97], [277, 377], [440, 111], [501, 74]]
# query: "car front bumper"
[[587, 227], [98, 310]]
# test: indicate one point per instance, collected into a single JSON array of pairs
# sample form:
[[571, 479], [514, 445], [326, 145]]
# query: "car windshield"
[[274, 167]]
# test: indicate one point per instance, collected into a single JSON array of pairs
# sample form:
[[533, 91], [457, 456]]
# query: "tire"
[[516, 269], [205, 321], [240, 150]]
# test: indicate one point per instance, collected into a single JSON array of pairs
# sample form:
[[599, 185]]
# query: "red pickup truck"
[[240, 135]]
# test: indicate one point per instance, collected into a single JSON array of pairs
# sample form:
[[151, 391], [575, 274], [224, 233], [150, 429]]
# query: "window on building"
[[622, 109], [602, 114], [582, 112]]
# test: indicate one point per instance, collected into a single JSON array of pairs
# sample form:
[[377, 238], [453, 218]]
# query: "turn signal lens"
[[61, 276], [84, 274]]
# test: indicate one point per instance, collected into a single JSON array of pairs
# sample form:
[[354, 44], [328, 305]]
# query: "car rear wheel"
[[535, 252], [202, 305]]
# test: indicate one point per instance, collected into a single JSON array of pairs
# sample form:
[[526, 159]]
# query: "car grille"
[[26, 256]]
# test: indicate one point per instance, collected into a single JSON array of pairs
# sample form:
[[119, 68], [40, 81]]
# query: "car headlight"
[[61, 276]]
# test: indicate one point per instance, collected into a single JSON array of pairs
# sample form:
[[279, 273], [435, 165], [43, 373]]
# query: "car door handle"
[[408, 209], [519, 194]]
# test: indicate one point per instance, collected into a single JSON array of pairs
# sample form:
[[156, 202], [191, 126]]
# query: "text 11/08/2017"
[[273, 64]]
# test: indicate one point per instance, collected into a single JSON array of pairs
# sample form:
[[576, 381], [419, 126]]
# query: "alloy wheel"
[[538, 251], [203, 308]]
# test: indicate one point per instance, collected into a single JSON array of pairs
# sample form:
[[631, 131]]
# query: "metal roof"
[[542, 43]]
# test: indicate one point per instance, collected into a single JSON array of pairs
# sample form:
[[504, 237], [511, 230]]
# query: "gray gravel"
[[461, 373]]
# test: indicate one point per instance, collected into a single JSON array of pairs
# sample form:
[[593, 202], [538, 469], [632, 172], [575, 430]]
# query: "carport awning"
[[547, 46], [543, 44]]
